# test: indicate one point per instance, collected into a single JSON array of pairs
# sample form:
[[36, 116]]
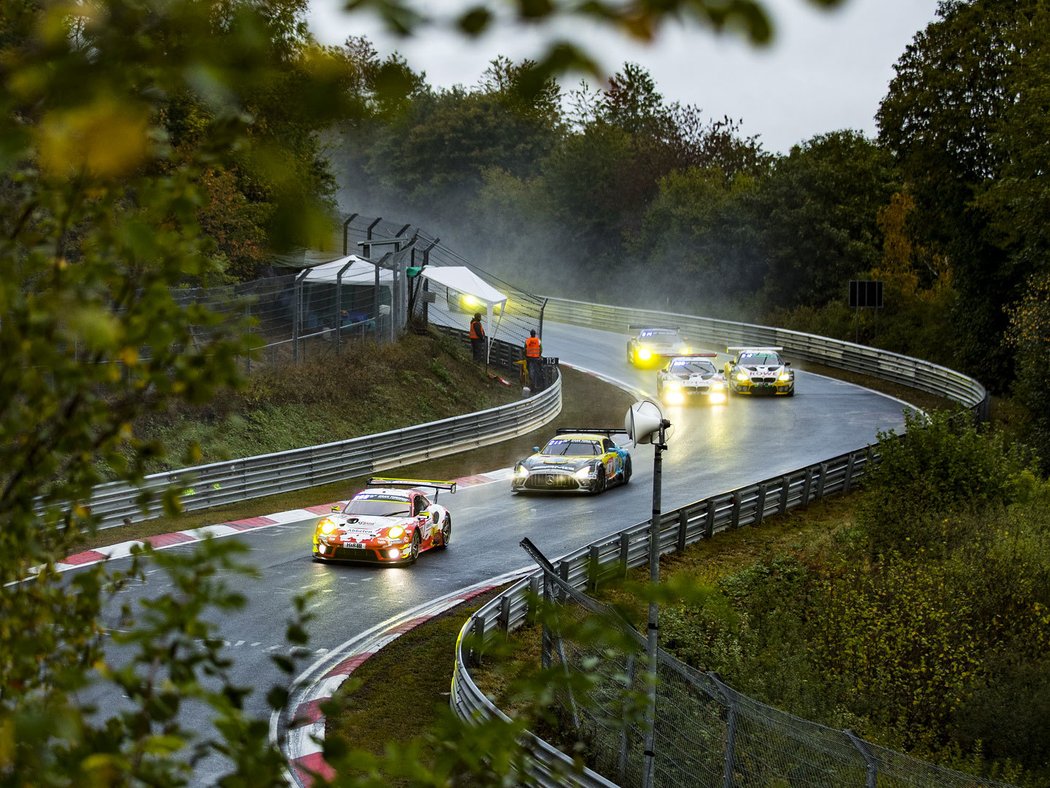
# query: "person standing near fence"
[[477, 338], [534, 361]]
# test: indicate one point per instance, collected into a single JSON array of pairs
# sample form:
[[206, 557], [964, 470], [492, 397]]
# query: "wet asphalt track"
[[710, 450]]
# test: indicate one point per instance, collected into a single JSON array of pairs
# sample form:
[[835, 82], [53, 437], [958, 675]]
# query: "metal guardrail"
[[222, 483], [702, 519], [912, 372]]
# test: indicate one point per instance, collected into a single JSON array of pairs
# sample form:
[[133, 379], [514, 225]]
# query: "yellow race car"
[[759, 370]]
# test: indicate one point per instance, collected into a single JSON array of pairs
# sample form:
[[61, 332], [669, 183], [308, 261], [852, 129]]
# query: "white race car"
[[390, 522], [759, 370], [691, 378]]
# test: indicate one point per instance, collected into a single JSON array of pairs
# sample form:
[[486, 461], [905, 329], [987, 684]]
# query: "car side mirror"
[[787, 363], [336, 507], [535, 449]]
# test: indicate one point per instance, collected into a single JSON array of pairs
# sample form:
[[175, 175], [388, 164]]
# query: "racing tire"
[[446, 532], [414, 555], [600, 482], [627, 470]]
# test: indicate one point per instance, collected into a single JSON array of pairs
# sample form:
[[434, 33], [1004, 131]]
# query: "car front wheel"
[[414, 552], [599, 482]]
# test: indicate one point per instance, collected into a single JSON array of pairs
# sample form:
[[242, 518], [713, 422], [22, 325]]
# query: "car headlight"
[[644, 353], [673, 385], [586, 472], [395, 532], [742, 377], [685, 351], [717, 385], [326, 526], [784, 376], [521, 472]]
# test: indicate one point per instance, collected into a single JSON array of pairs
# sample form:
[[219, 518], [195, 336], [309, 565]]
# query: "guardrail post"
[[593, 566], [849, 474], [760, 506], [532, 604], [807, 485], [734, 520], [563, 573], [785, 490], [478, 638], [683, 523], [504, 613], [821, 480], [871, 764], [709, 519], [625, 547]]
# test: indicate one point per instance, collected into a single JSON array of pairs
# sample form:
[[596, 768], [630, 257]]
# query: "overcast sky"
[[825, 71]]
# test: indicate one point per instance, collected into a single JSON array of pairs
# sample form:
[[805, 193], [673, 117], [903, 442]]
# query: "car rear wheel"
[[446, 531]]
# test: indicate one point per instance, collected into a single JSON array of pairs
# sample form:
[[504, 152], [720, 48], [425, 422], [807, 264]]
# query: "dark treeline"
[[620, 196]]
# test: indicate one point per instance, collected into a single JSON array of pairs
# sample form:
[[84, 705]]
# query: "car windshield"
[[693, 367], [760, 359], [382, 505], [572, 448]]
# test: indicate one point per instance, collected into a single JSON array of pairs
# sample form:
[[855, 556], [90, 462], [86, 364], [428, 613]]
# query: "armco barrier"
[[702, 519], [221, 483]]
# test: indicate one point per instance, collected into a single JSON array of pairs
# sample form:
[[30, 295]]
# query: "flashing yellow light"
[[644, 353], [326, 526], [396, 532]]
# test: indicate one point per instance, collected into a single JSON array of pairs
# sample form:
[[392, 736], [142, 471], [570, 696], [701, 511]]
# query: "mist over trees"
[[618, 195]]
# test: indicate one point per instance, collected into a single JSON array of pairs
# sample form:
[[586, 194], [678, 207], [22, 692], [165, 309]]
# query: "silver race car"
[[692, 378]]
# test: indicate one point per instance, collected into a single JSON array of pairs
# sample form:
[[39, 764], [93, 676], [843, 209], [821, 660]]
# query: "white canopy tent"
[[463, 280], [359, 272]]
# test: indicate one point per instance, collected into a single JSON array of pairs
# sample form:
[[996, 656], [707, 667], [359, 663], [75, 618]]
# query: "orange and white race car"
[[392, 521]]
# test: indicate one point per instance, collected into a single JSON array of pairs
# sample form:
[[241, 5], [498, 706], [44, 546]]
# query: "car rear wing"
[[754, 349], [607, 431], [695, 355], [644, 326], [382, 481]]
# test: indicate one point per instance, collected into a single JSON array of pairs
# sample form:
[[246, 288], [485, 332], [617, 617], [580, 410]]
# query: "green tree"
[[822, 201], [962, 119], [102, 222]]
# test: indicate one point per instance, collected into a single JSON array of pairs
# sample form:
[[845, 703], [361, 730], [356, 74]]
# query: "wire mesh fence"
[[705, 733]]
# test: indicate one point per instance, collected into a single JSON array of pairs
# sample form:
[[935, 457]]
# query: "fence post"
[[734, 520], [504, 613], [625, 546], [729, 760], [593, 566], [785, 490], [871, 764], [683, 523], [545, 638]]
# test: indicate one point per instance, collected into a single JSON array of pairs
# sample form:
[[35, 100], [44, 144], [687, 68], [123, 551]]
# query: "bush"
[[942, 466]]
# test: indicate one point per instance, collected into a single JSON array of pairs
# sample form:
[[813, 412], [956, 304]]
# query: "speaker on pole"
[[642, 420]]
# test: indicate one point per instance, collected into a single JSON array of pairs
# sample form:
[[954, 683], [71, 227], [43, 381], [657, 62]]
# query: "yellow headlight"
[[644, 353], [742, 377], [784, 376], [326, 526], [396, 532]]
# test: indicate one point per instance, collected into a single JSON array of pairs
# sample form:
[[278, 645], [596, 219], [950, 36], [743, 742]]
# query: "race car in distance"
[[691, 378], [391, 521], [759, 370], [651, 346], [574, 460]]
